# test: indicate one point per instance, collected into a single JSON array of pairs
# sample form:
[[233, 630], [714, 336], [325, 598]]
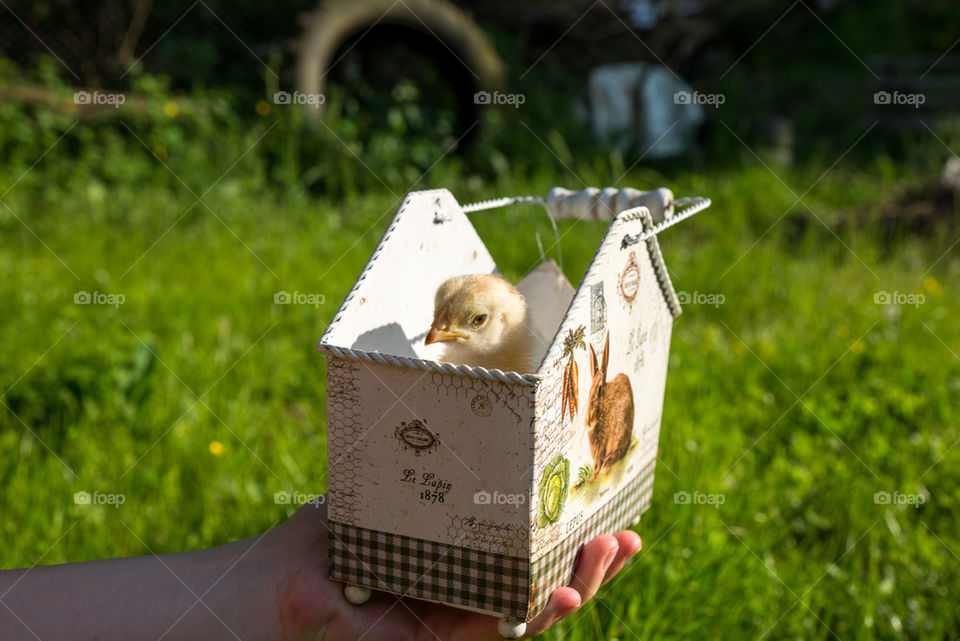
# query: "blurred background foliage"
[[798, 398]]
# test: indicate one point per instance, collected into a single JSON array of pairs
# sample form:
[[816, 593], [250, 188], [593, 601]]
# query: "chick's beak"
[[436, 335]]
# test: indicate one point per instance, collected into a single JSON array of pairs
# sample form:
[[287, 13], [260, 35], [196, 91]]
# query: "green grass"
[[106, 399]]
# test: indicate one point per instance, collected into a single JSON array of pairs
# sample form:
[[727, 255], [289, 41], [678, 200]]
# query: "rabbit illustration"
[[609, 413]]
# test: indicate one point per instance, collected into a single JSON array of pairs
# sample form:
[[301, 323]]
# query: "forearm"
[[209, 594]]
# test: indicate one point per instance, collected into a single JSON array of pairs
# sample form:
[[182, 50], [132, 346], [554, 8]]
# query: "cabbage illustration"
[[554, 486]]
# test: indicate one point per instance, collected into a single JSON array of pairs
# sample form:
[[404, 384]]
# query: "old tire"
[[471, 63]]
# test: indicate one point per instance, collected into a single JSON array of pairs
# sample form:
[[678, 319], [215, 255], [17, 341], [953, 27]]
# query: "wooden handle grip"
[[604, 204]]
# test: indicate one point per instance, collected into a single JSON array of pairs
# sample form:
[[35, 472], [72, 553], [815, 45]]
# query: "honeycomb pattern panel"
[[344, 429]]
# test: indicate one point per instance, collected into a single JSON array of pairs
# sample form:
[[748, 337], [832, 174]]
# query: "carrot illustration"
[[570, 392]]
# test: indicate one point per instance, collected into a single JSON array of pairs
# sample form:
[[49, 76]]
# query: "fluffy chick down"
[[482, 319]]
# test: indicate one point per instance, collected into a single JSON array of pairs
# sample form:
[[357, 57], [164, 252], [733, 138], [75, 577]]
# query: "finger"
[[630, 544], [595, 558], [562, 602]]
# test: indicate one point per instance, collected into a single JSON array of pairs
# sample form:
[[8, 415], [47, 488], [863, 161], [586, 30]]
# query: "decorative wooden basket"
[[476, 488]]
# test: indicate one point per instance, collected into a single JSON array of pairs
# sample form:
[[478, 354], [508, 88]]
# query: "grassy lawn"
[[793, 399]]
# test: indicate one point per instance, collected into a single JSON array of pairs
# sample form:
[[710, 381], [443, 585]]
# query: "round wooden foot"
[[355, 594], [510, 629]]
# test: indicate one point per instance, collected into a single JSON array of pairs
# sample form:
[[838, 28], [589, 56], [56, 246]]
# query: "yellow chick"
[[483, 320]]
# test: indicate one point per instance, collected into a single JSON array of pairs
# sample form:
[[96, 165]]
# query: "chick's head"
[[477, 311]]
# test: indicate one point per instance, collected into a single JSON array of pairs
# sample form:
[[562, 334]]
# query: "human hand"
[[305, 605]]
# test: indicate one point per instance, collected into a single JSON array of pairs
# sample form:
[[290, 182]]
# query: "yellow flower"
[[858, 347], [263, 108], [216, 448], [171, 109], [932, 285]]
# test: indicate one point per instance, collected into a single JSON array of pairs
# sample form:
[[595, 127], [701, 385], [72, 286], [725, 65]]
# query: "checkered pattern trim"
[[494, 583], [427, 570], [555, 568]]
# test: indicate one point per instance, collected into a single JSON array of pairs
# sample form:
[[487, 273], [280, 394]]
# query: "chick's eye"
[[479, 320]]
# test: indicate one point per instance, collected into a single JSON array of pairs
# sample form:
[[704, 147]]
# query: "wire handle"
[[606, 204], [503, 202], [591, 203], [687, 208], [602, 204]]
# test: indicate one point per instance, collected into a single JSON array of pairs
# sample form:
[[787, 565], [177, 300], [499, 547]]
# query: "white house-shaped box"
[[476, 488]]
